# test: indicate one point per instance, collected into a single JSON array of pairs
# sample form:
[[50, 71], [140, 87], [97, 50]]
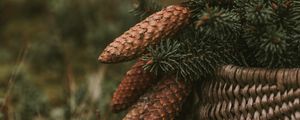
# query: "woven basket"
[[239, 93]]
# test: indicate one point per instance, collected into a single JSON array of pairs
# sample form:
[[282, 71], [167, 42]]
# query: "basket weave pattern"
[[239, 93]]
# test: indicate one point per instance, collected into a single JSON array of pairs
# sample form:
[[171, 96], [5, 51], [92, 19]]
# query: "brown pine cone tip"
[[133, 85], [164, 102], [133, 42]]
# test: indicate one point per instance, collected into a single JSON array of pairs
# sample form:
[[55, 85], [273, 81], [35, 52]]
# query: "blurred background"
[[48, 57]]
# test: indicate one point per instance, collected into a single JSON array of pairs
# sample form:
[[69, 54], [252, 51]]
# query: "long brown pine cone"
[[164, 102], [133, 42], [133, 85]]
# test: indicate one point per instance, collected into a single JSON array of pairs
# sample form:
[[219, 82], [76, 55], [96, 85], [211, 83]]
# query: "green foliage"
[[188, 57], [31, 101], [270, 31], [164, 57], [257, 33], [144, 8], [53, 45], [214, 22]]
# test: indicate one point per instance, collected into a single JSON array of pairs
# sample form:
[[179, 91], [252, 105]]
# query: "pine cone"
[[133, 42], [164, 102], [134, 84]]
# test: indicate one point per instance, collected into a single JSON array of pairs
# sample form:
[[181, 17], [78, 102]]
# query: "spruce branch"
[[271, 47], [164, 57], [258, 12], [221, 3], [219, 23], [286, 14], [189, 58], [144, 8]]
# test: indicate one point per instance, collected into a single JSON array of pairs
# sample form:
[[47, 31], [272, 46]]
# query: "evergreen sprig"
[[219, 23], [258, 12], [287, 15], [269, 33], [188, 57], [271, 47], [163, 57], [144, 8], [258, 33]]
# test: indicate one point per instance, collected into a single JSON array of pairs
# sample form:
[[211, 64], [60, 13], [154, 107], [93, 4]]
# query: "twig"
[[98, 117], [20, 59]]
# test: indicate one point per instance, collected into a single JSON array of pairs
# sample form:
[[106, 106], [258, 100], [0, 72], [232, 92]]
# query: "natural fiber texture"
[[164, 102], [251, 93], [133, 85], [133, 42]]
